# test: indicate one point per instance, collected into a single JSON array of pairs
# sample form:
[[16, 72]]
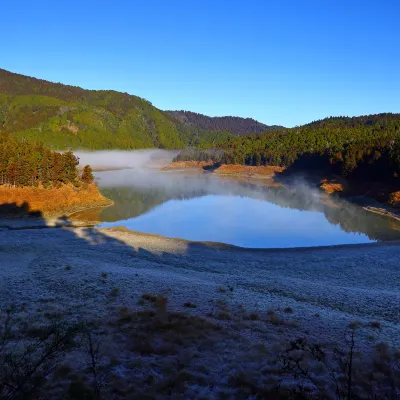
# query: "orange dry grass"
[[187, 164], [65, 199], [233, 169], [394, 199], [331, 187]]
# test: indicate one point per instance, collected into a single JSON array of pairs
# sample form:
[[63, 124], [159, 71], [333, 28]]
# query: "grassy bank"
[[63, 200]]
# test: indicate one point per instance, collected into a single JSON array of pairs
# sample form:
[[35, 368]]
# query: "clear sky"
[[284, 62]]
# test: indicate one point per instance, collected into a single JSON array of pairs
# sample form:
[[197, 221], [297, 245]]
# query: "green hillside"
[[66, 116], [63, 116], [234, 125]]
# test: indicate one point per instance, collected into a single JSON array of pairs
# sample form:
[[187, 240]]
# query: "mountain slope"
[[234, 125], [360, 148], [67, 116], [366, 147], [61, 115]]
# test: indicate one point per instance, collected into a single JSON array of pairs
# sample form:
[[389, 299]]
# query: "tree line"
[[24, 163], [368, 146], [234, 125]]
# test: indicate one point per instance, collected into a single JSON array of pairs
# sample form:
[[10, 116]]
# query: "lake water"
[[205, 207]]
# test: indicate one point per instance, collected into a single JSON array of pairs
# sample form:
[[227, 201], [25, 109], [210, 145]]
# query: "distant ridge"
[[235, 125]]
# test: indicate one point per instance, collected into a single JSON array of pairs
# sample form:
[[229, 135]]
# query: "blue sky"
[[282, 62]]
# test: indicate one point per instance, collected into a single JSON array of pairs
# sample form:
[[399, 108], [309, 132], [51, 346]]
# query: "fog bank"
[[118, 159]]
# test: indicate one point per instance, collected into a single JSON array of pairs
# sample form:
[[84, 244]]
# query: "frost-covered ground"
[[230, 311]]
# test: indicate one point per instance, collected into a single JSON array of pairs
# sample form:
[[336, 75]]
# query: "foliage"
[[23, 163], [348, 372], [194, 153], [368, 146], [234, 125], [28, 164], [63, 116], [87, 174], [27, 362]]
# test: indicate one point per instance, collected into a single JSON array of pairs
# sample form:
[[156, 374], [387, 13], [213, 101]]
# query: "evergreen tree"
[[24, 163], [87, 175]]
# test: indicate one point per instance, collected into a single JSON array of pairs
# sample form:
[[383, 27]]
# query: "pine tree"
[[87, 175], [12, 171], [70, 162]]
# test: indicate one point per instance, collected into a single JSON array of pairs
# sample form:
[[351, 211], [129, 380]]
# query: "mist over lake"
[[203, 207]]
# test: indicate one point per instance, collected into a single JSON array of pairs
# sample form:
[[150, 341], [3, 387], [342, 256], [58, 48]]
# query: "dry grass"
[[224, 315], [375, 325], [394, 199], [187, 164], [65, 199], [114, 292], [331, 187], [253, 316], [160, 332], [247, 170]]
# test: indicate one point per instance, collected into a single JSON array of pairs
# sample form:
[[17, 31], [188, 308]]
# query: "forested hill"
[[64, 116], [354, 122], [234, 125], [366, 145], [359, 147], [67, 116]]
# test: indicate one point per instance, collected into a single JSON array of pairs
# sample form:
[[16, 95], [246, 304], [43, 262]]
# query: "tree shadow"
[[13, 210], [310, 168], [15, 217], [20, 217]]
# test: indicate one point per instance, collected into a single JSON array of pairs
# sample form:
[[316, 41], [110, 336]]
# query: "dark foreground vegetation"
[[67, 360]]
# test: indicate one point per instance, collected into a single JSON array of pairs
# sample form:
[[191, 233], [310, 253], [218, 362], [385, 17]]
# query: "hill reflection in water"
[[205, 207]]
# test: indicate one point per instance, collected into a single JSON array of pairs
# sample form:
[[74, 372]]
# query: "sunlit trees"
[[369, 145], [87, 174], [30, 164]]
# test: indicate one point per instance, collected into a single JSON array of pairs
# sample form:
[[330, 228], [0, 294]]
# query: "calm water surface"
[[204, 207]]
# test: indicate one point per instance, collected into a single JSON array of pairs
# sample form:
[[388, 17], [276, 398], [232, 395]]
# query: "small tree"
[[87, 174]]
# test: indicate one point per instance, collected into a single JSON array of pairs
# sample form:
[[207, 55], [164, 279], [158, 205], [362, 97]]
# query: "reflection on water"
[[205, 207]]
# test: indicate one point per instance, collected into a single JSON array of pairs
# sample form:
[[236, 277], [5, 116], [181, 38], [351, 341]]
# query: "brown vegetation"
[[249, 171], [228, 169], [394, 199], [187, 164], [53, 201], [331, 187]]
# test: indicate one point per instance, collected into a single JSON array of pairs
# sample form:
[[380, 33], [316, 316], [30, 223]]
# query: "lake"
[[205, 207]]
